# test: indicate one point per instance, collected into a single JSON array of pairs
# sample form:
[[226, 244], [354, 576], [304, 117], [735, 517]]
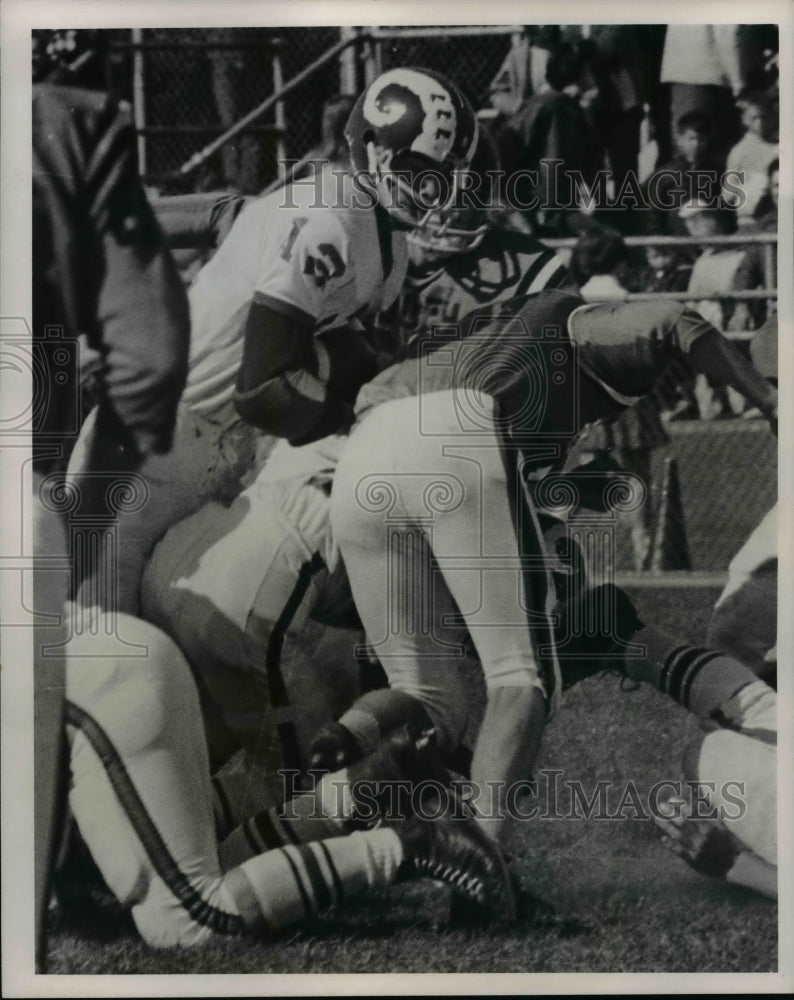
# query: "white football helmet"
[[413, 134]]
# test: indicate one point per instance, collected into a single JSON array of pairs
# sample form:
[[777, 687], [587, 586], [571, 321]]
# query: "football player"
[[100, 269], [189, 870], [744, 621], [275, 341], [467, 259], [429, 505], [730, 830], [231, 584]]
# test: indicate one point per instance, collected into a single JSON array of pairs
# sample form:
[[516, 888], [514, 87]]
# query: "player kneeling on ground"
[[141, 795]]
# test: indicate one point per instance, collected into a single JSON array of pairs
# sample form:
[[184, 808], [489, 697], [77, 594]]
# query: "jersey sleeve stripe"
[[546, 271], [286, 309]]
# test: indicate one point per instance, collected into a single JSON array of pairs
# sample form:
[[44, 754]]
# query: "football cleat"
[[385, 780], [453, 849], [591, 630], [333, 748]]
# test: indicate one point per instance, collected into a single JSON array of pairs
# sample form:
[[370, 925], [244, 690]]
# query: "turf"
[[640, 909]]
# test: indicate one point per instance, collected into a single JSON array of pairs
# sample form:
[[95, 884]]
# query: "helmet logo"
[[418, 109]]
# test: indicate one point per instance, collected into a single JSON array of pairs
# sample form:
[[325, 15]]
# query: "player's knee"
[[134, 698]]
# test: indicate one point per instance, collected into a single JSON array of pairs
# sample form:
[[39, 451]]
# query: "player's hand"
[[704, 844]]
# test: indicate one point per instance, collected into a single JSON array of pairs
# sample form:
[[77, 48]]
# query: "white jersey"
[[314, 250]]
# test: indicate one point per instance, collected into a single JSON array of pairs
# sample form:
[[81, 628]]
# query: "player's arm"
[[142, 317], [721, 360], [197, 221], [280, 386], [292, 382], [506, 749], [715, 356], [651, 335]]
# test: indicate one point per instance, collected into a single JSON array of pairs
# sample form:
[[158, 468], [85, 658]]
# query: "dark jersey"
[[506, 264], [552, 362], [100, 268]]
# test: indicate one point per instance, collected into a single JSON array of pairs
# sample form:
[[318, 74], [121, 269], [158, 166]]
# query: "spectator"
[[714, 270], [752, 270], [669, 270], [765, 214], [691, 174], [701, 62], [599, 264], [713, 273], [614, 63], [550, 126], [666, 270], [600, 267], [523, 72], [749, 160]]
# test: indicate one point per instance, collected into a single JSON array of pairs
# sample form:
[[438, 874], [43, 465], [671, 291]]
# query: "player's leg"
[[735, 763], [400, 595], [203, 462], [744, 621], [231, 586], [459, 497], [141, 797]]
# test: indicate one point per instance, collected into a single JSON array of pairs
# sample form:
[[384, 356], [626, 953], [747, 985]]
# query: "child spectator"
[[765, 214], [692, 173], [749, 160], [669, 270], [713, 273], [666, 270], [752, 270], [714, 270], [599, 264]]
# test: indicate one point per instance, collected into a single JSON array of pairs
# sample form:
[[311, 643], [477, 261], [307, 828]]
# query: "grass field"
[[641, 909]]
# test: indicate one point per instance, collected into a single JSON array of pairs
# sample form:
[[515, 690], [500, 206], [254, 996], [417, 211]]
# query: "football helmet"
[[460, 226], [413, 134]]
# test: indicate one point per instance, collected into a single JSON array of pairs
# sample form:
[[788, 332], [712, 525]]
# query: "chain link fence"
[[189, 85]]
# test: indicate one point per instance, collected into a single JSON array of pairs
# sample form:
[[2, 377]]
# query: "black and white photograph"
[[390, 542]]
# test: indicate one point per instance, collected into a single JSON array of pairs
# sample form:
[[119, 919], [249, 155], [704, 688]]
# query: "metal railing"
[[141, 46], [767, 240], [245, 123]]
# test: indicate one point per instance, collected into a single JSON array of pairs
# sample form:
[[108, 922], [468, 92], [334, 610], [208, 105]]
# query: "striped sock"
[[284, 886], [299, 821], [698, 678], [240, 794]]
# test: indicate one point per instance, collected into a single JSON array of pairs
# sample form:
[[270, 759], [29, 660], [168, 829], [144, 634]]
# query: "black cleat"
[[383, 783], [333, 748], [591, 631], [453, 849]]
